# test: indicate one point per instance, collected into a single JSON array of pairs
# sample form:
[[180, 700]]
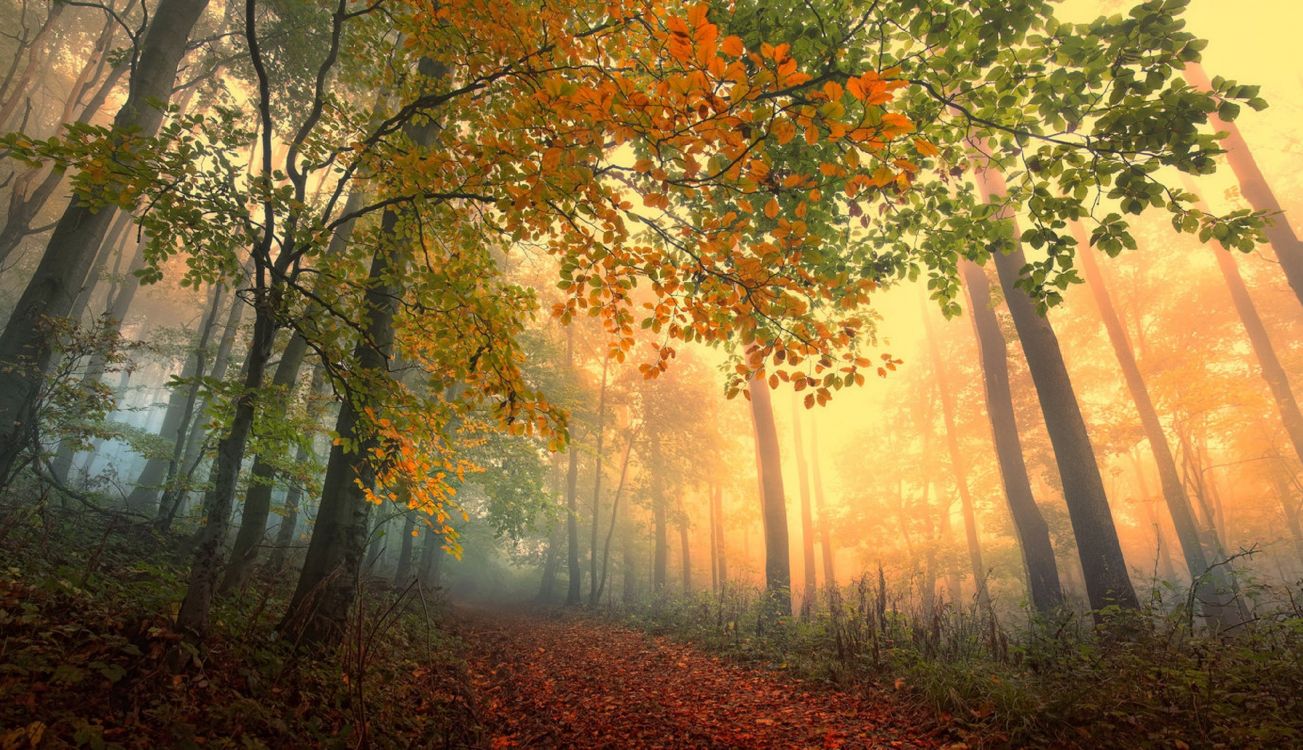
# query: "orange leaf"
[[771, 208]]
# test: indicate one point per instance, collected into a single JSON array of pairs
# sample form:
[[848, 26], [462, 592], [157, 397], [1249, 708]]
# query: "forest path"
[[568, 681]]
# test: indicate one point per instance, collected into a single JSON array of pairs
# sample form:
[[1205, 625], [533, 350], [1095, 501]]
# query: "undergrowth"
[[1142, 679], [86, 608]]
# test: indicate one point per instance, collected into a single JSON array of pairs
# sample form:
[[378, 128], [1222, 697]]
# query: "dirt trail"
[[578, 683]]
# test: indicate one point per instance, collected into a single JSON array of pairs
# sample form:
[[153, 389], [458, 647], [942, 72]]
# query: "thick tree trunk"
[[807, 515], [318, 611], [773, 505], [1214, 591], [1102, 563], [1032, 531], [27, 345], [1254, 188], [957, 465]]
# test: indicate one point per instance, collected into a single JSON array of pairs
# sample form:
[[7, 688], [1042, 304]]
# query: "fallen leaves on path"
[[580, 683]]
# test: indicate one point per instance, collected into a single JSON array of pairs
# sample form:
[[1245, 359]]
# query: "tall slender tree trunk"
[[1268, 362], [685, 553], [1254, 188], [1033, 533], [773, 505], [573, 567], [403, 569], [714, 538], [27, 345], [262, 477], [1102, 563], [202, 584], [957, 464], [822, 520], [807, 514], [660, 522], [597, 485], [1214, 591], [615, 514]]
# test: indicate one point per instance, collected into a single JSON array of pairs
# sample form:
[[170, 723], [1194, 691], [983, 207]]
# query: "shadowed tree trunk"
[[1214, 591], [1032, 531], [615, 515], [597, 484], [714, 538], [1254, 188], [262, 477], [318, 611], [1103, 566], [807, 515], [403, 569], [294, 493], [773, 505], [27, 345]]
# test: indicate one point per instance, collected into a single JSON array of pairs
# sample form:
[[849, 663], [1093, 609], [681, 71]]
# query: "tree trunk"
[[773, 506], [294, 494], [220, 497], [1254, 188], [1268, 363], [684, 552], [27, 345], [714, 539], [821, 522], [318, 611], [403, 570], [573, 567], [597, 485], [1214, 591], [1102, 563], [1029, 525], [660, 523], [262, 478], [957, 466], [179, 474], [615, 511], [807, 515]]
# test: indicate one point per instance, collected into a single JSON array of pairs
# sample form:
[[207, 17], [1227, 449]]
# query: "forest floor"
[[546, 680]]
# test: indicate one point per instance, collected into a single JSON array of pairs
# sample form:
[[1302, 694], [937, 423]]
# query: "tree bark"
[[573, 567], [27, 345], [1214, 591], [773, 505], [684, 552], [1254, 188], [660, 522], [1103, 566], [1029, 525]]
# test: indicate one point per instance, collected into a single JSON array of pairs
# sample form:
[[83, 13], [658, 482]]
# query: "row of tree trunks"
[[1108, 583], [1029, 525], [1214, 591], [27, 345]]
